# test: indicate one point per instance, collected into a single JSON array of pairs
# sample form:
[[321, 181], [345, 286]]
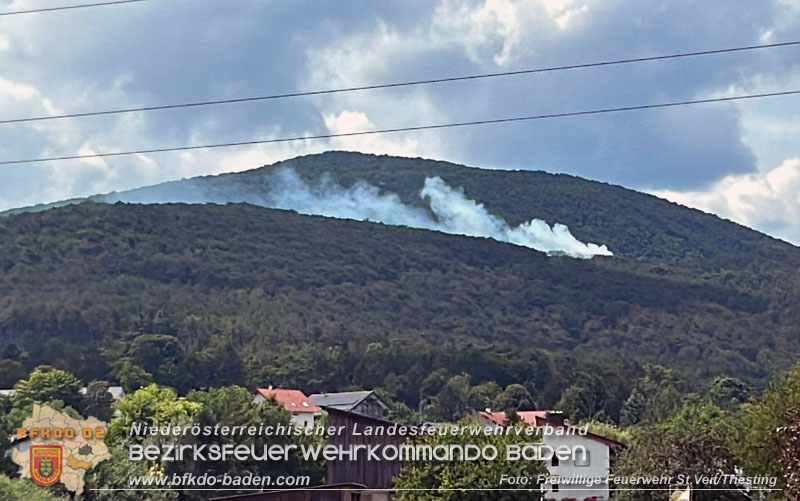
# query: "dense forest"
[[204, 295]]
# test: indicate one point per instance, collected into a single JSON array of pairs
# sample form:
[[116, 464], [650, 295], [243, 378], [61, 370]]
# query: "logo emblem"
[[46, 462]]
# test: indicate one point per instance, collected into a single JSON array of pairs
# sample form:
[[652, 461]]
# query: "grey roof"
[[345, 400]]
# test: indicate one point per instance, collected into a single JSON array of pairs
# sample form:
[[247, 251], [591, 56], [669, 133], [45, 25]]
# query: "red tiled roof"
[[294, 401], [541, 418], [534, 418]]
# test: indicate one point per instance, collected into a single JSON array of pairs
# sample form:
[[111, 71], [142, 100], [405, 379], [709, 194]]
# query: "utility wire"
[[68, 7], [409, 129], [405, 84]]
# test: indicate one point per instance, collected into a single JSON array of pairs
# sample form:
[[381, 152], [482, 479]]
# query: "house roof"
[[363, 417], [347, 400], [294, 401], [116, 392], [541, 418], [534, 418]]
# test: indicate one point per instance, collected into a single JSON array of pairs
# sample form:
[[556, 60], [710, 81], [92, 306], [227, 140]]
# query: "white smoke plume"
[[450, 210]]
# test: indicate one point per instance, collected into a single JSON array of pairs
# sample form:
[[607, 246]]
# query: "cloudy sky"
[[738, 160]]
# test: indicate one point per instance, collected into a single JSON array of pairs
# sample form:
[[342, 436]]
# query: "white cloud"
[[400, 144], [17, 91], [767, 201], [501, 29]]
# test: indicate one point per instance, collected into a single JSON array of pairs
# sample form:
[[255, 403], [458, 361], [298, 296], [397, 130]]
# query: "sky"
[[738, 160]]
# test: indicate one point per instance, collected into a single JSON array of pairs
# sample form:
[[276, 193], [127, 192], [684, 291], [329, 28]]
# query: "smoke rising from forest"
[[444, 208]]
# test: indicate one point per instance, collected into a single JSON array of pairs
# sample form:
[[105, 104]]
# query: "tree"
[[114, 472], [695, 441], [472, 475], [452, 400], [97, 401], [514, 398], [633, 410], [47, 383], [484, 395], [584, 400], [790, 457], [758, 442], [24, 490], [153, 406], [728, 392], [131, 376], [654, 398], [218, 364], [431, 385], [11, 371], [158, 354]]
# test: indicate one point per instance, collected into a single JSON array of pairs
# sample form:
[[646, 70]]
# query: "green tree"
[[430, 386], [218, 364], [586, 399], [158, 354], [47, 383], [759, 444], [97, 401], [790, 457], [728, 392], [115, 472], [152, 406], [131, 376], [484, 396], [633, 409], [695, 441], [11, 371], [471, 475], [24, 490], [452, 400], [515, 398], [654, 398]]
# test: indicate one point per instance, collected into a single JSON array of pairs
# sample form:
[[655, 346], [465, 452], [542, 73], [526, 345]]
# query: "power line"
[[69, 7], [404, 84], [410, 129]]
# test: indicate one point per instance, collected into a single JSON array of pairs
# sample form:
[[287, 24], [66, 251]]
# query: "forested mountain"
[[633, 224], [202, 295]]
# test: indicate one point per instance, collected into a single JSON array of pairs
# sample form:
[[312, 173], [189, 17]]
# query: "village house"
[[595, 463], [357, 479], [376, 477], [303, 411], [366, 403]]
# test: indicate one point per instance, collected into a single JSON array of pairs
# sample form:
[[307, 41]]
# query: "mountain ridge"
[[643, 226]]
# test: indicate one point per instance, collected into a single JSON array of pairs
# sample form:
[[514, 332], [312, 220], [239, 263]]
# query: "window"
[[555, 487], [554, 461], [582, 458]]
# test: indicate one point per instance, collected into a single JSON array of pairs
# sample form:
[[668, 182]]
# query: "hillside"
[[632, 224], [253, 295]]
